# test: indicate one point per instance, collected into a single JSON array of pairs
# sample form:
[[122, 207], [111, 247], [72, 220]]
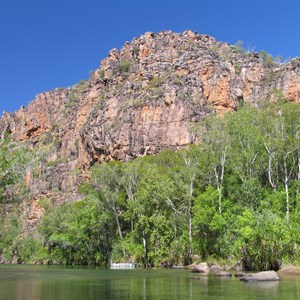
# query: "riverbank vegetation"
[[234, 197]]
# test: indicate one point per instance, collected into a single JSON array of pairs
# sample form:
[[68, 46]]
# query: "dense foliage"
[[234, 197], [15, 158]]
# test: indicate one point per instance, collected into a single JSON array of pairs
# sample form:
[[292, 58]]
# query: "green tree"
[[247, 159], [282, 146], [79, 233], [216, 142], [105, 180], [210, 226], [154, 188], [265, 241]]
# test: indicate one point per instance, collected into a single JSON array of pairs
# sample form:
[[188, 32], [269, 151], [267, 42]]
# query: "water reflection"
[[32, 283], [144, 289], [268, 286]]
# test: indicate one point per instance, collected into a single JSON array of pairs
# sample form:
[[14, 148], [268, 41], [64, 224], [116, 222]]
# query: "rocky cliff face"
[[143, 99]]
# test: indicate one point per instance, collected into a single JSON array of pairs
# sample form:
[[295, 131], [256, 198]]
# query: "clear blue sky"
[[49, 44]]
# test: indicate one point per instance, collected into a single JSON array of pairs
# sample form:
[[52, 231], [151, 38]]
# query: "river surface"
[[24, 282]]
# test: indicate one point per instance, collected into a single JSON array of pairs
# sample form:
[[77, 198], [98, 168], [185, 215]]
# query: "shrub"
[[101, 73], [124, 66], [266, 58], [157, 81], [267, 242]]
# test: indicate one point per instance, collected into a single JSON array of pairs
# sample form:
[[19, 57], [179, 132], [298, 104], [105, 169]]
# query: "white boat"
[[123, 265]]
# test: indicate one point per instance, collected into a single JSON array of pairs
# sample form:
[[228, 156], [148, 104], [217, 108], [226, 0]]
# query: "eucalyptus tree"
[[105, 180], [247, 150], [215, 141], [131, 174], [187, 176], [182, 168], [130, 178], [246, 154], [282, 145], [154, 219]]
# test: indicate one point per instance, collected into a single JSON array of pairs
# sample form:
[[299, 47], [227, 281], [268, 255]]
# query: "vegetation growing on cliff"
[[15, 158]]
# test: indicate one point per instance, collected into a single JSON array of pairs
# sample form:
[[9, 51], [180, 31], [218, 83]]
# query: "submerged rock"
[[224, 274]]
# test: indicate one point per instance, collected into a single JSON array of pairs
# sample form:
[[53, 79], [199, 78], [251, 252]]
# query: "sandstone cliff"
[[143, 99]]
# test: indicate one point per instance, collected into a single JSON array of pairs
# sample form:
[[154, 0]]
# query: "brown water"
[[56, 283]]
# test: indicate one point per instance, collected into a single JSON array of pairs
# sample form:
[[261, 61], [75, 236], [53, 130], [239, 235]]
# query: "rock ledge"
[[261, 276]]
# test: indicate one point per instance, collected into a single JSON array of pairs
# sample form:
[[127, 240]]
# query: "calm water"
[[57, 283]]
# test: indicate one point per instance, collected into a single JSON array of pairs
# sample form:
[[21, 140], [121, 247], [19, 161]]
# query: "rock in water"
[[200, 268], [224, 274], [261, 276], [215, 269]]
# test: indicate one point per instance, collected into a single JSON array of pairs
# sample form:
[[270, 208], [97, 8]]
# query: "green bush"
[[266, 244], [101, 73], [124, 66], [156, 82], [32, 250], [266, 58]]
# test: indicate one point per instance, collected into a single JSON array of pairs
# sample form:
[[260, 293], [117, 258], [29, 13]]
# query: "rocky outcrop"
[[157, 85], [261, 276], [215, 269], [289, 270], [200, 268], [143, 99]]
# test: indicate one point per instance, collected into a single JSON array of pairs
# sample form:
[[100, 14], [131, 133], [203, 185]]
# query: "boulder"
[[215, 268], [223, 274], [261, 276], [289, 270], [200, 268]]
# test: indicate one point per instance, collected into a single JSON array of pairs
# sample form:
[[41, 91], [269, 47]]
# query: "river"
[[24, 282]]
